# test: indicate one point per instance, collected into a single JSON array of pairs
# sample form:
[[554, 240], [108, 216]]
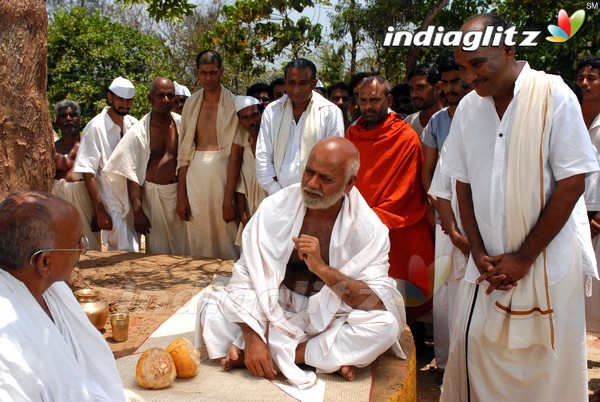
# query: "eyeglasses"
[[83, 243], [264, 99]]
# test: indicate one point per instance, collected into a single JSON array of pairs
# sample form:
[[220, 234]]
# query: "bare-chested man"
[[68, 184], [145, 162], [334, 249], [209, 126]]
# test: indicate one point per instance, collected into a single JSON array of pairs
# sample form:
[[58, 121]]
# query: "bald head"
[[340, 152], [29, 221]]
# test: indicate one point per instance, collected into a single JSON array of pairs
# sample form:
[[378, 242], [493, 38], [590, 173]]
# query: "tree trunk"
[[415, 52], [26, 142]]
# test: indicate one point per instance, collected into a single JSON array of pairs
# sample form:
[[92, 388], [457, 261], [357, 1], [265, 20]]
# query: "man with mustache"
[[425, 92], [100, 138], [69, 185], [519, 151], [141, 172], [291, 125], [311, 286], [390, 181], [241, 171], [209, 126]]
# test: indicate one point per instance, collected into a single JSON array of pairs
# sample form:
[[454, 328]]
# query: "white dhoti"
[[76, 193], [338, 334], [168, 234], [537, 373], [209, 235], [348, 341], [122, 237], [248, 185], [449, 269]]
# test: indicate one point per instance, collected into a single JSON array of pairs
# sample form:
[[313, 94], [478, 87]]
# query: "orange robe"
[[389, 178]]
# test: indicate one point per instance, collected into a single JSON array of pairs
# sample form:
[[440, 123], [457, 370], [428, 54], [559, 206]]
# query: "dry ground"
[[151, 288]]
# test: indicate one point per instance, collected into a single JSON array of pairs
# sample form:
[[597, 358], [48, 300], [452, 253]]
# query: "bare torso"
[[206, 128], [297, 275], [66, 152], [163, 152]]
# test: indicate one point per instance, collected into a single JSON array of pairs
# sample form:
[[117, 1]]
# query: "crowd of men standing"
[[190, 179]]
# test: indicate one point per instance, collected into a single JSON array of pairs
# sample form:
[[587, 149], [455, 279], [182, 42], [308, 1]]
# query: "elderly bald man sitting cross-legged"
[[311, 286]]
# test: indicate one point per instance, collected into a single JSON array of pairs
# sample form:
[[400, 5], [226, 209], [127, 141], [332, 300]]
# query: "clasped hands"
[[501, 271]]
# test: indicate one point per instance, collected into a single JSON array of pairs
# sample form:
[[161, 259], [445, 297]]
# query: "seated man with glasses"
[[49, 348]]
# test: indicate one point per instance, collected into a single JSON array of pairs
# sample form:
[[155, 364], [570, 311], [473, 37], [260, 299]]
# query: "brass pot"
[[95, 308]]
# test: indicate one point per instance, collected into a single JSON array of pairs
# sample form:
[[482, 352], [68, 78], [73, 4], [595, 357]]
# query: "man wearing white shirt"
[[519, 150], [291, 126], [99, 140]]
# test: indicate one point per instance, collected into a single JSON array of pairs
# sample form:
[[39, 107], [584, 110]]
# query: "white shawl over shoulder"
[[359, 248], [41, 360]]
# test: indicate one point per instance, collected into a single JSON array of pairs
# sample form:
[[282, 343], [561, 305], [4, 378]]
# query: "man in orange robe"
[[391, 159]]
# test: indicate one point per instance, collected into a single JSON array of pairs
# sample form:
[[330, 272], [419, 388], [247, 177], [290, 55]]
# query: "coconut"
[[185, 356], [155, 369]]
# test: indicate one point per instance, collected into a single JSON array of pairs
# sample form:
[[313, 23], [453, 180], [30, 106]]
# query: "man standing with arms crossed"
[[209, 126]]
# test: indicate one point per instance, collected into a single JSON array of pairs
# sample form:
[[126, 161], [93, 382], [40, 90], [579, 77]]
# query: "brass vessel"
[[95, 308]]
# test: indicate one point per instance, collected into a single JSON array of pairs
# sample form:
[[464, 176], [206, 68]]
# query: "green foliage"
[[169, 10], [556, 58], [87, 51], [333, 67], [252, 33]]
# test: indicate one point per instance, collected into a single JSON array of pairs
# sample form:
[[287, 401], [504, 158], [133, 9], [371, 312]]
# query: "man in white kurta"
[[146, 157], [99, 140], [519, 151], [291, 126], [209, 126], [345, 315], [50, 351]]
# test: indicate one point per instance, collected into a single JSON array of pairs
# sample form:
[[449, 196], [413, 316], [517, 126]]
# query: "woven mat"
[[214, 384]]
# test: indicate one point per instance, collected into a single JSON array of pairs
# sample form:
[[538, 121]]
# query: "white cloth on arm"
[[99, 140], [42, 360], [129, 161], [76, 193], [359, 248], [283, 147]]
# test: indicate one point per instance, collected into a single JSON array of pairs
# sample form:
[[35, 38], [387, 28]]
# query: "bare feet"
[[233, 359], [347, 372]]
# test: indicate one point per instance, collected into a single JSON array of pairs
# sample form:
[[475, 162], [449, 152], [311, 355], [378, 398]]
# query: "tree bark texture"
[[26, 141]]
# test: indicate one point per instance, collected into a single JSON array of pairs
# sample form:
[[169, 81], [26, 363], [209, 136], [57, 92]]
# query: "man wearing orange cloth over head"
[[389, 179]]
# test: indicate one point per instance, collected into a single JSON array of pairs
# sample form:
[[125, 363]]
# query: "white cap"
[[245, 101], [122, 87], [181, 90], [320, 84]]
